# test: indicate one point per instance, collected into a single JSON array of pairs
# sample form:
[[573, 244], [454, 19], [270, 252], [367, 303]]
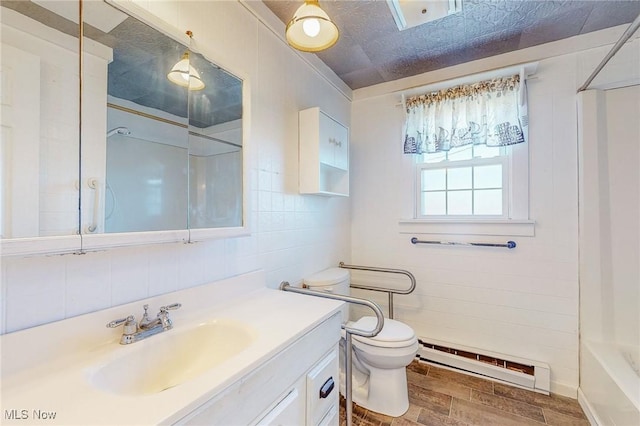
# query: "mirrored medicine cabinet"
[[131, 138]]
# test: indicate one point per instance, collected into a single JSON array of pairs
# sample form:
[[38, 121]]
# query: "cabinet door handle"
[[326, 388], [93, 184]]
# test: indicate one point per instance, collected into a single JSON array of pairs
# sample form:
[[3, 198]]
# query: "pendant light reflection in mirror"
[[184, 74]]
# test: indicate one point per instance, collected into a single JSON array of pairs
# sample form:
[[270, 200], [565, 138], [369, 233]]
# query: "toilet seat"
[[394, 334]]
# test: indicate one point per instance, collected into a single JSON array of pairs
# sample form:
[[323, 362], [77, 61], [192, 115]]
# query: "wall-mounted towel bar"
[[509, 244]]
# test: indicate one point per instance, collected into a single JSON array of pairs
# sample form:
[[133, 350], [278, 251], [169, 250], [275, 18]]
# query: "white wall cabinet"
[[324, 154]]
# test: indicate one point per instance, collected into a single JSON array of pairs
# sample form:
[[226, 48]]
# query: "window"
[[471, 180], [471, 154]]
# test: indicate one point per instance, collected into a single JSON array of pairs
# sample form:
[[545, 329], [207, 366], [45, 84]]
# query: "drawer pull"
[[326, 388]]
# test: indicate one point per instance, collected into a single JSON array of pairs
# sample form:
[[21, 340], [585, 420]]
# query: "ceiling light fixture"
[[311, 29], [184, 74]]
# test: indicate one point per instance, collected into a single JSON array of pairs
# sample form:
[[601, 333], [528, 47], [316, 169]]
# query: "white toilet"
[[379, 363]]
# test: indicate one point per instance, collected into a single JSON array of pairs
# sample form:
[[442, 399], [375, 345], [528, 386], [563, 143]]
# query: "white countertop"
[[46, 369]]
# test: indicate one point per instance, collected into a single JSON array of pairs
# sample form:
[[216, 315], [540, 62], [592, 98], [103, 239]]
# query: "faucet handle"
[[126, 321], [166, 322], [170, 307], [130, 325]]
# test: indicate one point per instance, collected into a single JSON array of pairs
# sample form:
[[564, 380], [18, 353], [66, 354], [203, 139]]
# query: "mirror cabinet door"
[[39, 153], [215, 147], [162, 133], [148, 139], [135, 135]]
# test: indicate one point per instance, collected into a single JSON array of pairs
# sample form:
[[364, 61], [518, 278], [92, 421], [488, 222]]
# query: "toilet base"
[[385, 392]]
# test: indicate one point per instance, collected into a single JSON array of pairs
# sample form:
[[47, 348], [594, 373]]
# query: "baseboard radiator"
[[515, 371]]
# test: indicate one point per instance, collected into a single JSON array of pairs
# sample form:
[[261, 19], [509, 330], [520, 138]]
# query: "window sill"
[[501, 227]]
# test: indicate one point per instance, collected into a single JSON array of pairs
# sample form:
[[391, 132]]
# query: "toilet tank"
[[332, 280]]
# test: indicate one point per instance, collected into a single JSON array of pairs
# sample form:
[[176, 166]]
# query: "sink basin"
[[173, 357]]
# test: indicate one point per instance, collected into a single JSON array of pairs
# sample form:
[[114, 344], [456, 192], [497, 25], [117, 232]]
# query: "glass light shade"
[[311, 29], [185, 75]]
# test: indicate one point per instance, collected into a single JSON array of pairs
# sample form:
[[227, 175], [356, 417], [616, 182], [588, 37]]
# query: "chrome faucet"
[[134, 331]]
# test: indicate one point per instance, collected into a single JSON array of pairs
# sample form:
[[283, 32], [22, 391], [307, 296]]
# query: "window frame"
[[474, 162], [515, 177]]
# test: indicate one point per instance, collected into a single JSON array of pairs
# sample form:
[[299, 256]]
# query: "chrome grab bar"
[[389, 291], [285, 286], [509, 244]]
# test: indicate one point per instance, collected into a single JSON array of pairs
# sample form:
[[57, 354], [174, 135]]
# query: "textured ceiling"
[[372, 50]]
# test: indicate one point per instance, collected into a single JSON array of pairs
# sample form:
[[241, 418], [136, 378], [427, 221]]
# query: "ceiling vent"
[[411, 13]]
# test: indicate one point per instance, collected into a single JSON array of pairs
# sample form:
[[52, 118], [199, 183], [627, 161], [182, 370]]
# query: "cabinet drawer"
[[288, 411], [331, 419], [322, 388]]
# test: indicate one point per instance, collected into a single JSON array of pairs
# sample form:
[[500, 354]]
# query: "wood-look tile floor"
[[442, 397]]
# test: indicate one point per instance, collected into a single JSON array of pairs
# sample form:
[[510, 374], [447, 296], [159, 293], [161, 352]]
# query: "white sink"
[[167, 360]]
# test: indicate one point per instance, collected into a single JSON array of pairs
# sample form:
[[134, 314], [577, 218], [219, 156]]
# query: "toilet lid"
[[393, 332]]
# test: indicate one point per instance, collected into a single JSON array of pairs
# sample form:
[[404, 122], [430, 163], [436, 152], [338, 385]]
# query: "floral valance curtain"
[[491, 112]]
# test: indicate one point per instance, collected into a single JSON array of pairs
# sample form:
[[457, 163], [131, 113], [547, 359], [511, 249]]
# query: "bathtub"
[[610, 383]]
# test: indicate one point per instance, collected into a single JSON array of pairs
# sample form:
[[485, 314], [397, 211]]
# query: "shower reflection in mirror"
[[215, 148], [174, 139]]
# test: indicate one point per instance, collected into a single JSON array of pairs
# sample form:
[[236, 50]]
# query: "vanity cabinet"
[[312, 399], [299, 385], [324, 154]]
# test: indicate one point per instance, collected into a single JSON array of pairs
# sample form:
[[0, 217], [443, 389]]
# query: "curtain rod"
[[623, 39], [526, 70], [530, 69]]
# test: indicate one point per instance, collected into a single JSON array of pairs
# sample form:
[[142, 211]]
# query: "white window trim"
[[517, 224], [519, 181], [498, 227], [502, 159]]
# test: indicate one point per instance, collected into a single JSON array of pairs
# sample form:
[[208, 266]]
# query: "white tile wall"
[[521, 302], [292, 235]]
